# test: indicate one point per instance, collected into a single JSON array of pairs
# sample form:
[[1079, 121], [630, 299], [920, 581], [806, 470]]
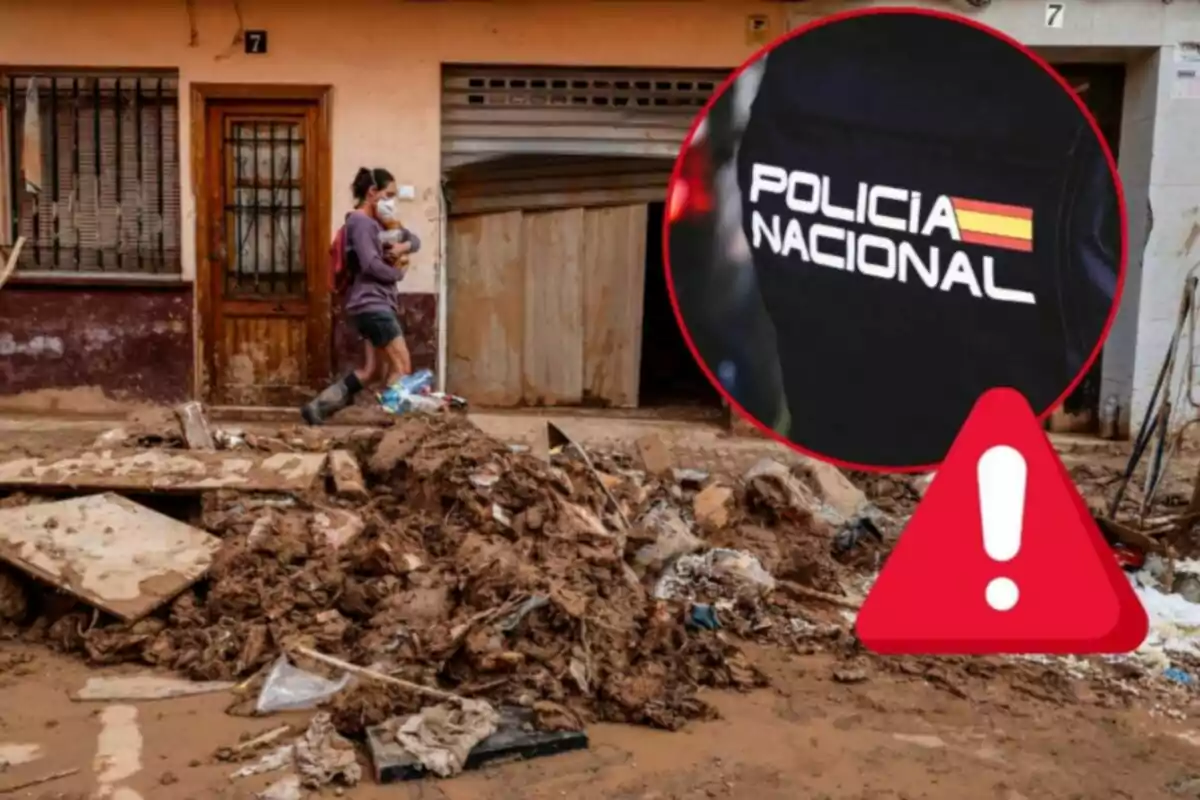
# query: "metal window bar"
[[264, 209], [109, 156]]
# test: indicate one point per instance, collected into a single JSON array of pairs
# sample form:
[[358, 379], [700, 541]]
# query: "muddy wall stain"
[[134, 344]]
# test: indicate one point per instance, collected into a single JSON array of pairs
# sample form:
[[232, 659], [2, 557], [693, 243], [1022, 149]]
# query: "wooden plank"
[[106, 550], [347, 476], [486, 311], [553, 344], [614, 279], [167, 470]]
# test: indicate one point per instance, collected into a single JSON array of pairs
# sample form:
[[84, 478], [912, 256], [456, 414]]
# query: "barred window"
[[90, 162]]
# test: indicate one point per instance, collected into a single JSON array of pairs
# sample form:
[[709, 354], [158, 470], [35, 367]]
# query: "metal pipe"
[[443, 283]]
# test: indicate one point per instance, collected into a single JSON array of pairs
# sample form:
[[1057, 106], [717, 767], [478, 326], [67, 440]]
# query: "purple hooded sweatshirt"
[[373, 280]]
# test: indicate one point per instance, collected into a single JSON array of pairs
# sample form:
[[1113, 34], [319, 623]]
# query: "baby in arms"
[[395, 236]]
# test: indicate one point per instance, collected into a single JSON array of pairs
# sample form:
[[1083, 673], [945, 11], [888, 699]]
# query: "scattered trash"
[[515, 738], [702, 615], [690, 478], [289, 688], [319, 757], [670, 538], [441, 737], [1178, 675], [324, 757], [716, 571]]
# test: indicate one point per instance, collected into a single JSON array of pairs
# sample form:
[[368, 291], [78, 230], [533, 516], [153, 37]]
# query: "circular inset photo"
[[907, 210]]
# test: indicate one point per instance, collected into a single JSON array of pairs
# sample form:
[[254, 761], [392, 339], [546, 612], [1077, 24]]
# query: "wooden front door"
[[266, 323]]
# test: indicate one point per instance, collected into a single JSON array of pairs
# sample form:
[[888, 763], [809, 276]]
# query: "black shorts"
[[380, 328]]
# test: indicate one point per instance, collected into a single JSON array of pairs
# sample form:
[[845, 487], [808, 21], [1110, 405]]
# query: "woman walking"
[[373, 270]]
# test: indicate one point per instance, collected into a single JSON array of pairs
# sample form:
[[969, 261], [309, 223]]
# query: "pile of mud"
[[484, 571]]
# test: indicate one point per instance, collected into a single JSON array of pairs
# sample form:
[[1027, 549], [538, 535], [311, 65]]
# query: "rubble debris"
[[337, 526], [711, 505], [834, 488], [109, 551], [690, 478], [717, 572], [196, 432], [124, 688], [656, 459], [558, 437], [520, 592], [516, 736], [347, 477], [14, 599], [669, 537], [165, 470]]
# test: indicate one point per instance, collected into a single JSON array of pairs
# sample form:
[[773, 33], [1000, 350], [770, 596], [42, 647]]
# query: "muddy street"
[[669, 608]]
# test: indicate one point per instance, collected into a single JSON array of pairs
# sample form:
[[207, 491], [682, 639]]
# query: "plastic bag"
[[289, 688]]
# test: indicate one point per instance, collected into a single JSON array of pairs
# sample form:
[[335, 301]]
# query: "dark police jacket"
[[880, 371]]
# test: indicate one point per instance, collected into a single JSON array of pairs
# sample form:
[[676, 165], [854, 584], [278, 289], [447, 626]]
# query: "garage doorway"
[[669, 377], [1102, 89]]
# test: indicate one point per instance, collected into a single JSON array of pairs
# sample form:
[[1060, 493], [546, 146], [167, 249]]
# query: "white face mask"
[[386, 209]]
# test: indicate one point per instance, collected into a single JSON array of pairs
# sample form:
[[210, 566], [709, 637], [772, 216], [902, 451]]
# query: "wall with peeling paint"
[[134, 344]]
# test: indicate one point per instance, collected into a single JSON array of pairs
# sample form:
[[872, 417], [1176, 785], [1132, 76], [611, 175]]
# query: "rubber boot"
[[332, 399]]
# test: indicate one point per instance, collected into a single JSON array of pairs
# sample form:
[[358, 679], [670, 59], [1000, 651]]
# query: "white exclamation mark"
[[1001, 475]]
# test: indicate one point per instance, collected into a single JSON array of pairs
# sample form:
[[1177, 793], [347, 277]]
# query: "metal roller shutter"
[[490, 112]]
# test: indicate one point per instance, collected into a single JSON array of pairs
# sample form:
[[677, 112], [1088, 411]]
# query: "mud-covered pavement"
[[809, 736], [485, 571]]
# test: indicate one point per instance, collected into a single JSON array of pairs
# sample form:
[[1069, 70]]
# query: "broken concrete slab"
[[514, 739], [347, 476], [196, 431], [130, 688], [167, 471], [106, 550], [337, 526]]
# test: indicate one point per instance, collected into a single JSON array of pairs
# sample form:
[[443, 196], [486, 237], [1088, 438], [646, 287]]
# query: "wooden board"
[[486, 311], [106, 550], [167, 470], [614, 280], [553, 341]]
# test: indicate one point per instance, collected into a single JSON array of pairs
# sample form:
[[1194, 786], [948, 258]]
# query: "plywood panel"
[[614, 263], [553, 363], [107, 550], [486, 312], [166, 470]]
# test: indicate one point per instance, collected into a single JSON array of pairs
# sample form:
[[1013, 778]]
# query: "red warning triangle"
[[1036, 578]]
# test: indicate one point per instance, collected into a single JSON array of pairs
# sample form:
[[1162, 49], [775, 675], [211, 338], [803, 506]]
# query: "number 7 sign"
[[1054, 14]]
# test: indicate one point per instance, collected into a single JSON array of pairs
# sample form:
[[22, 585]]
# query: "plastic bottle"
[[417, 383]]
